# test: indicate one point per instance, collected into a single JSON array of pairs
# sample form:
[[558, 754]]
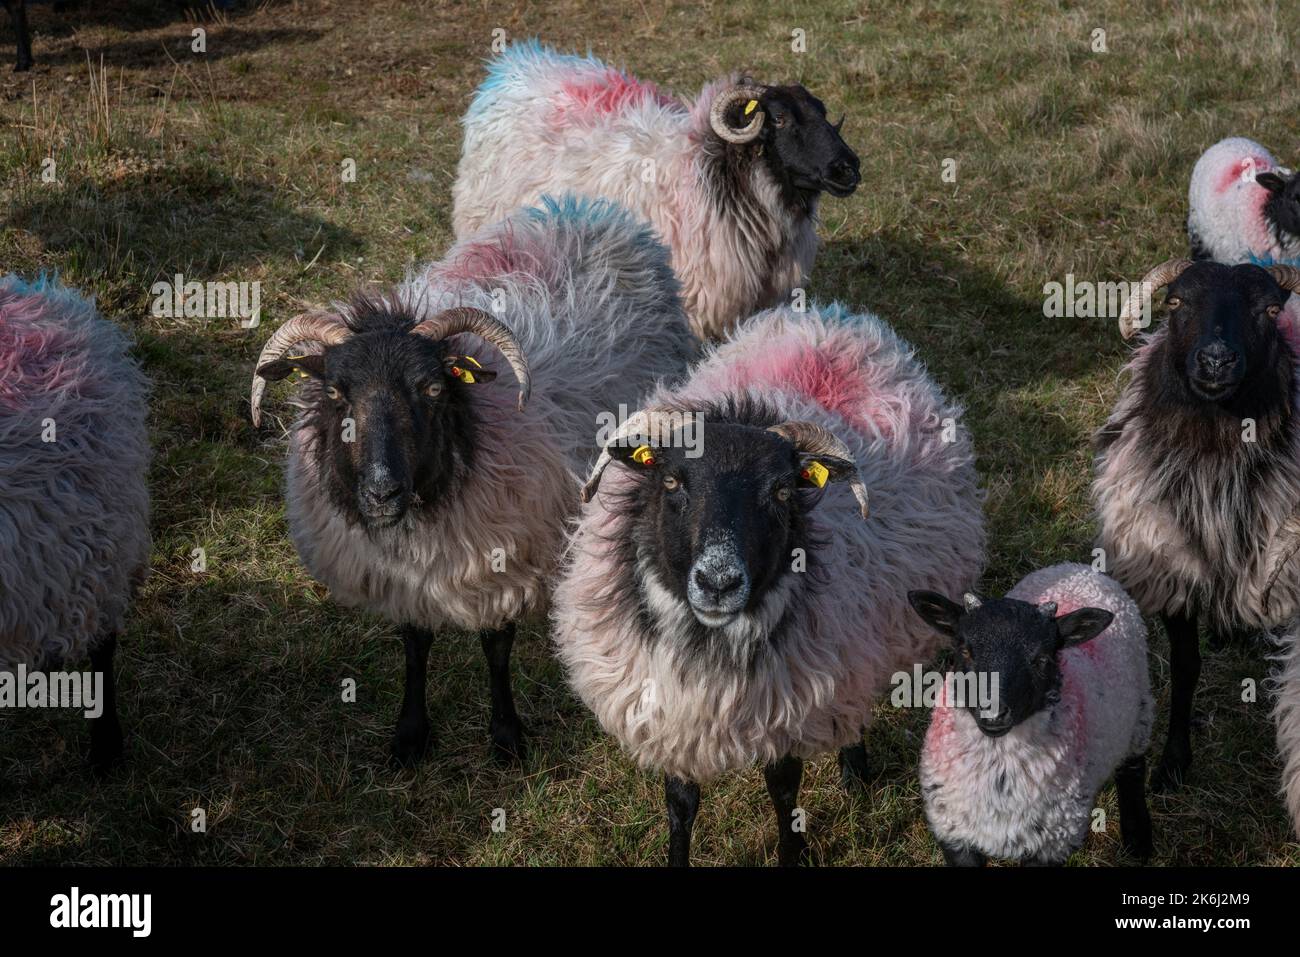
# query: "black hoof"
[[105, 750], [1139, 846], [855, 768], [410, 745], [508, 745], [794, 852]]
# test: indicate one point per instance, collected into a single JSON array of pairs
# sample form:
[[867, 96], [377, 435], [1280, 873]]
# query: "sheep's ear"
[[635, 456], [815, 471], [313, 365], [1271, 181], [466, 369], [1082, 625], [941, 613]]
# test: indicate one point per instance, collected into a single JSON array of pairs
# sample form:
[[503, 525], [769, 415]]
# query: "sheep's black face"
[[1282, 208], [1222, 329], [717, 530], [392, 425], [1011, 648], [803, 148], [385, 412]]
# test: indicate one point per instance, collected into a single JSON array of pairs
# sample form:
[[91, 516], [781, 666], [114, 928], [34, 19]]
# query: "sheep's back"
[[74, 535], [1225, 216]]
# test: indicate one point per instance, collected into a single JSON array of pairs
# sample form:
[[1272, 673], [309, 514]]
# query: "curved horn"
[[309, 327], [725, 101], [1288, 277], [1162, 275], [647, 422], [467, 319], [813, 439]]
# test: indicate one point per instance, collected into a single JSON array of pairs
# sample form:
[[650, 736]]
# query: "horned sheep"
[[1197, 474], [724, 602], [448, 506], [732, 183]]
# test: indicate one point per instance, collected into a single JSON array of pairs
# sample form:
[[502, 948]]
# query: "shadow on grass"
[[192, 219]]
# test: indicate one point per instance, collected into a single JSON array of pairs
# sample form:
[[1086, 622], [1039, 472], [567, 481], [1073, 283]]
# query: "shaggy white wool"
[[74, 511], [545, 123], [1286, 714], [591, 299], [1029, 794], [1225, 218], [812, 690], [1184, 556]]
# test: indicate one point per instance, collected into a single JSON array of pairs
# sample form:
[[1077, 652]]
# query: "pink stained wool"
[[813, 689], [74, 531], [1029, 794]]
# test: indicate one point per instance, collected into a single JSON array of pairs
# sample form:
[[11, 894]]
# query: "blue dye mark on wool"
[[515, 62], [1266, 261]]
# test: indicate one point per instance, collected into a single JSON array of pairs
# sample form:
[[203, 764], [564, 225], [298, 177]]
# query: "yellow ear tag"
[[816, 473], [643, 455], [749, 107], [465, 375]]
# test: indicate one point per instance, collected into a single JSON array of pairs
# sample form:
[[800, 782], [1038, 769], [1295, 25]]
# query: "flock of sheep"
[[788, 517]]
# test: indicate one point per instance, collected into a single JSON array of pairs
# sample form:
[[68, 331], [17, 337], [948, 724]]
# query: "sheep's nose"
[[718, 582], [845, 170], [1216, 358], [381, 488]]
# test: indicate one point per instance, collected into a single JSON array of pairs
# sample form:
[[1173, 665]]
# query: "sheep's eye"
[[1043, 661], [1273, 311], [781, 120], [433, 389], [671, 483], [333, 393], [1173, 302], [966, 655], [783, 493]]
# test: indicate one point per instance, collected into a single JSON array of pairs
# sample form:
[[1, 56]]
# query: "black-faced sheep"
[[448, 506], [1017, 776], [1198, 468], [724, 601], [731, 183], [74, 504]]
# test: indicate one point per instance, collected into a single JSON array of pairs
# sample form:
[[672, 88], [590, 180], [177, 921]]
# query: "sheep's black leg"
[[783, 779], [683, 800], [959, 855], [105, 730], [1134, 816], [1185, 669], [18, 14], [855, 767], [411, 739], [506, 729]]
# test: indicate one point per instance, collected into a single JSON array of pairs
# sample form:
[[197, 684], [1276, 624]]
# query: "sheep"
[[1197, 468], [1017, 776], [722, 602], [1243, 207], [731, 183], [74, 503], [449, 507]]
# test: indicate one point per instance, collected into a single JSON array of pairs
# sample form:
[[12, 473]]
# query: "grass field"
[[226, 166]]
